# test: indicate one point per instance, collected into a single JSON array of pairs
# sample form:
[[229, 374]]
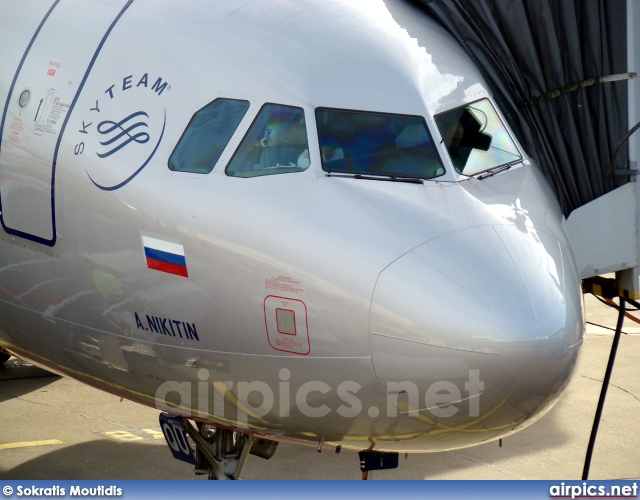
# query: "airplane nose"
[[484, 324]]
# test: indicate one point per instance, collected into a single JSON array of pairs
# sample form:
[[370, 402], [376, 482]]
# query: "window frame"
[[246, 135], [377, 175], [504, 127], [229, 140]]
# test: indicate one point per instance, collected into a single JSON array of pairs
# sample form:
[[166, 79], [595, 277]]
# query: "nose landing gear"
[[219, 453]]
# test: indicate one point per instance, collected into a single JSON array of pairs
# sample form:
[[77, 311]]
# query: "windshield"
[[276, 143], [380, 144], [476, 138], [206, 136]]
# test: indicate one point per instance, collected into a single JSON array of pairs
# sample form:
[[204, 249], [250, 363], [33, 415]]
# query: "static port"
[[24, 99]]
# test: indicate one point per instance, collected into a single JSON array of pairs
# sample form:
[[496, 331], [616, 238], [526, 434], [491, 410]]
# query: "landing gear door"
[[43, 91]]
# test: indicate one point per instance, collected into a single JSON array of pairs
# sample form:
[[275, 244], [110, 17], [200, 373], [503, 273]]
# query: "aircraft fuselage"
[[352, 307]]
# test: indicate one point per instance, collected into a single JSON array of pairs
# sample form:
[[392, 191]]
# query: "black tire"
[[4, 357]]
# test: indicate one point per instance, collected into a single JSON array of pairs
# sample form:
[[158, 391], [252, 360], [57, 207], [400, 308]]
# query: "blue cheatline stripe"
[[68, 115], [171, 258], [24, 56], [43, 241]]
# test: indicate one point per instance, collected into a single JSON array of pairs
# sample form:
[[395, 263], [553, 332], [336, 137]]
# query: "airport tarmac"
[[57, 428]]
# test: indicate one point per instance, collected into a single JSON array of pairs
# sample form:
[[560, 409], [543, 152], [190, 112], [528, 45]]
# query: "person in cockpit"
[[284, 141]]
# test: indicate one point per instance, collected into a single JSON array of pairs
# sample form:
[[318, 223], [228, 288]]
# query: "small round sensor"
[[25, 96]]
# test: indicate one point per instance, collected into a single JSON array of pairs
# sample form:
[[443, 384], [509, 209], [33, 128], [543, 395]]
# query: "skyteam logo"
[[122, 130], [120, 134]]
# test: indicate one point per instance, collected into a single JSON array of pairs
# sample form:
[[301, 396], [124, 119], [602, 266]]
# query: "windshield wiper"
[[492, 171], [375, 177]]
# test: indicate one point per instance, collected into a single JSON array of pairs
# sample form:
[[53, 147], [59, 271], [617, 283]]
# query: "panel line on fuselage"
[[15, 77], [22, 234]]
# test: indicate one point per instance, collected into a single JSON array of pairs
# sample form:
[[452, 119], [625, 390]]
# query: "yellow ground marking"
[[27, 444], [123, 435], [154, 433]]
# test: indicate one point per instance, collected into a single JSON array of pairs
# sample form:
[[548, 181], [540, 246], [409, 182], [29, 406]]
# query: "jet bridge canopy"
[[558, 71], [563, 74]]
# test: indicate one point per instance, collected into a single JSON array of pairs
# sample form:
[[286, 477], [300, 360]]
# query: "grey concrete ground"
[[76, 432]]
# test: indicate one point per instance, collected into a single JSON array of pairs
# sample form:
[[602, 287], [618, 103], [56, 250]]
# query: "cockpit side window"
[[475, 138], [206, 136], [276, 143], [378, 144]]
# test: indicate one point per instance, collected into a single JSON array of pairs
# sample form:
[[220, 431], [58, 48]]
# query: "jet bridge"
[[564, 75]]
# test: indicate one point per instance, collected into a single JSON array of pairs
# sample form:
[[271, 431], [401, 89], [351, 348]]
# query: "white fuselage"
[[416, 316]]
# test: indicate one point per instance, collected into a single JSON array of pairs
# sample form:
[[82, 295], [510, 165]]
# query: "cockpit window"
[[476, 138], [276, 143], [379, 144], [206, 136]]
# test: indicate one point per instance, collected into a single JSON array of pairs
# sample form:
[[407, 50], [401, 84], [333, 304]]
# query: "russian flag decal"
[[166, 256]]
